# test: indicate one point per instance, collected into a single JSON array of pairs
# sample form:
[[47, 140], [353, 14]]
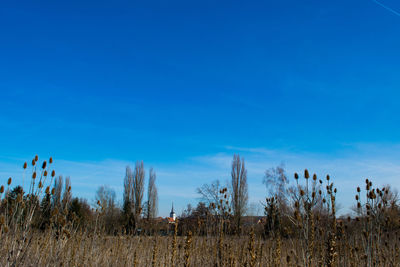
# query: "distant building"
[[172, 215]]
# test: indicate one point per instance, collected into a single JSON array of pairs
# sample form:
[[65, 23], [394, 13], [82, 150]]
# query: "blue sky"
[[183, 85]]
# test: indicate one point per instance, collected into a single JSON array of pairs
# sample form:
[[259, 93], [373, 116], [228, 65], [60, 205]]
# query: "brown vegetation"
[[46, 226]]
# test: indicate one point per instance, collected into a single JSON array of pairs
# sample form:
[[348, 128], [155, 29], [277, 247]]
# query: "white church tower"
[[172, 213]]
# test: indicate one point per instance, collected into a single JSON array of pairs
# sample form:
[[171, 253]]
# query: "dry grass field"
[[43, 249]]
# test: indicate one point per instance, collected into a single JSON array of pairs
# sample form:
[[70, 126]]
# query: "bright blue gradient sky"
[[183, 85]]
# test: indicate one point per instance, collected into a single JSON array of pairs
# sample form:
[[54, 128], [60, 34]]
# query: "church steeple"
[[172, 214]]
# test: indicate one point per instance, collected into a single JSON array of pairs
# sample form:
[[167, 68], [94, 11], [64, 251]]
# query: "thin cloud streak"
[[386, 7]]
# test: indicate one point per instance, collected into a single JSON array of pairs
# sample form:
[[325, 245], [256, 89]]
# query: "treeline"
[[288, 207]]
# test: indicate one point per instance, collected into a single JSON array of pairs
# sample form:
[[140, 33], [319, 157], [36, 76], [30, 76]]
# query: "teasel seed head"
[[47, 190], [33, 175], [296, 176], [335, 190], [328, 177], [53, 191], [25, 165], [314, 177], [9, 181], [45, 173], [40, 184], [33, 162], [36, 158], [358, 189], [53, 173], [50, 160], [44, 164], [1, 189], [306, 174], [302, 192]]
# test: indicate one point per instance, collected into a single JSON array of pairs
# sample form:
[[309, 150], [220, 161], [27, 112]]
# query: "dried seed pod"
[[306, 174], [34, 175], [45, 173], [314, 177], [36, 158], [44, 165], [296, 176], [25, 165], [9, 181], [1, 189], [33, 162], [53, 173], [50, 160]]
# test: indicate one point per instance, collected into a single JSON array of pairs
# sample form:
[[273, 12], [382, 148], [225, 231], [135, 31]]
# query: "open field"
[[85, 250]]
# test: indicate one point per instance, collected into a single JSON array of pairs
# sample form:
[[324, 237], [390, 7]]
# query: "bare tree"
[[152, 196], [239, 189], [210, 192], [276, 183], [67, 196], [56, 198], [138, 187], [128, 189], [105, 201], [105, 198], [128, 203]]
